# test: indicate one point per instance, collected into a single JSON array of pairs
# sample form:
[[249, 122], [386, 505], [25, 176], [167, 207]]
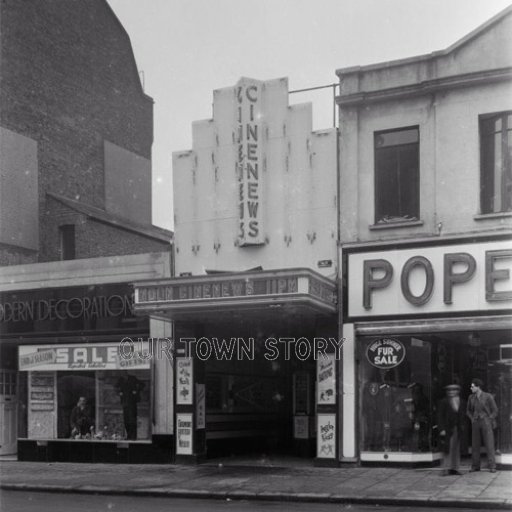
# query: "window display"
[[101, 405], [86, 392], [396, 395]]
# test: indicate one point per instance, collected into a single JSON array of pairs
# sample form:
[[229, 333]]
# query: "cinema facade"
[[256, 263]]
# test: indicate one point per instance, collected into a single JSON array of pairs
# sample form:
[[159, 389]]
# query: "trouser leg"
[[455, 450], [475, 445], [489, 443]]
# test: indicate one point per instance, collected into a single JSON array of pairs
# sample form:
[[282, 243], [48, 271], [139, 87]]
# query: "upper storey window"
[[496, 162], [397, 173], [67, 241]]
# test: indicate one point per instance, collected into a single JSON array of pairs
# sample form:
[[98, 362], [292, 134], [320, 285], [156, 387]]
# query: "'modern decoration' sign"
[[249, 162]]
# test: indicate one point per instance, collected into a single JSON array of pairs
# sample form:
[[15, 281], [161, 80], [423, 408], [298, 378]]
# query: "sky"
[[185, 49]]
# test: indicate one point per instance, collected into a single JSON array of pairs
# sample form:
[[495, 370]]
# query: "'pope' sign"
[[385, 353]]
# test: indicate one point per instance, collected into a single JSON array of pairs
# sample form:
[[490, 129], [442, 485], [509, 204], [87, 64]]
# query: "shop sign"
[[249, 162], [77, 308], [184, 380], [326, 436], [446, 279], [326, 380], [385, 353], [62, 309], [92, 356], [184, 434]]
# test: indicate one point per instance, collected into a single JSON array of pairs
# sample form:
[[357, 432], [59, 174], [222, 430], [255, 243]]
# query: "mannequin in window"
[[129, 389]]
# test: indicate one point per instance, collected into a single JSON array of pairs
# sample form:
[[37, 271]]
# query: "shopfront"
[[419, 318], [77, 392], [251, 350]]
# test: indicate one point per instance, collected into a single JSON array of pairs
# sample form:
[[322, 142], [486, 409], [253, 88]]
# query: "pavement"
[[260, 481]]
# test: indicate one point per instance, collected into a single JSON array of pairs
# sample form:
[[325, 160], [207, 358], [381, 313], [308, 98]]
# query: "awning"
[[300, 290]]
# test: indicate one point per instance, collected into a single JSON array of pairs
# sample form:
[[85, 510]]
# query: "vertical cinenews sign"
[[326, 380], [249, 162], [326, 436], [184, 433], [184, 381]]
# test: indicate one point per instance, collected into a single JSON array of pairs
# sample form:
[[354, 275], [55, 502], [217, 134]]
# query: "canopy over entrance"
[[300, 290]]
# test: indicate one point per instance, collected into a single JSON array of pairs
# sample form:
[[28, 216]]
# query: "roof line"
[[427, 56], [149, 231]]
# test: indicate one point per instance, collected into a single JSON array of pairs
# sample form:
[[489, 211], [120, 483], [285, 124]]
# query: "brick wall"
[[69, 81], [94, 238], [10, 255]]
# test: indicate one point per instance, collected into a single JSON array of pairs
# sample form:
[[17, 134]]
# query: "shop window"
[[102, 405], [396, 412], [496, 163], [67, 241], [397, 175]]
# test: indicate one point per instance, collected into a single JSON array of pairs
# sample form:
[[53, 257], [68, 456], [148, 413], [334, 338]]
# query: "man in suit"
[[451, 420], [482, 411]]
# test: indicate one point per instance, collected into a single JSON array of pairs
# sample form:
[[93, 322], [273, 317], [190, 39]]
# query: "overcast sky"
[[187, 48]]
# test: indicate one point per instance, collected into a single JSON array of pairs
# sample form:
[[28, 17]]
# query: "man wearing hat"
[[482, 411], [451, 420]]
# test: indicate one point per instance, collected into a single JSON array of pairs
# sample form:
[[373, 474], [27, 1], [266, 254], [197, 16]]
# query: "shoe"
[[492, 470], [472, 470], [455, 472], [445, 473]]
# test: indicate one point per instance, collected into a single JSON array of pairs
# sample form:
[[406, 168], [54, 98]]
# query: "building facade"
[[255, 239], [76, 131], [425, 225]]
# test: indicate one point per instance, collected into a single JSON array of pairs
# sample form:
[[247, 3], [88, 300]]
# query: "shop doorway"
[[8, 412]]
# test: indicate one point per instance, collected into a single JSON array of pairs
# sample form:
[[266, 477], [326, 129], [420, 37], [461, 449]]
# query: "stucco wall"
[[298, 193], [448, 121]]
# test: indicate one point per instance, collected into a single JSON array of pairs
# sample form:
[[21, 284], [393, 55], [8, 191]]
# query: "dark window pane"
[[496, 172], [397, 175], [67, 236]]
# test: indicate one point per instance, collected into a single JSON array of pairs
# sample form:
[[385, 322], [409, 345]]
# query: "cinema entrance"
[[254, 362]]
